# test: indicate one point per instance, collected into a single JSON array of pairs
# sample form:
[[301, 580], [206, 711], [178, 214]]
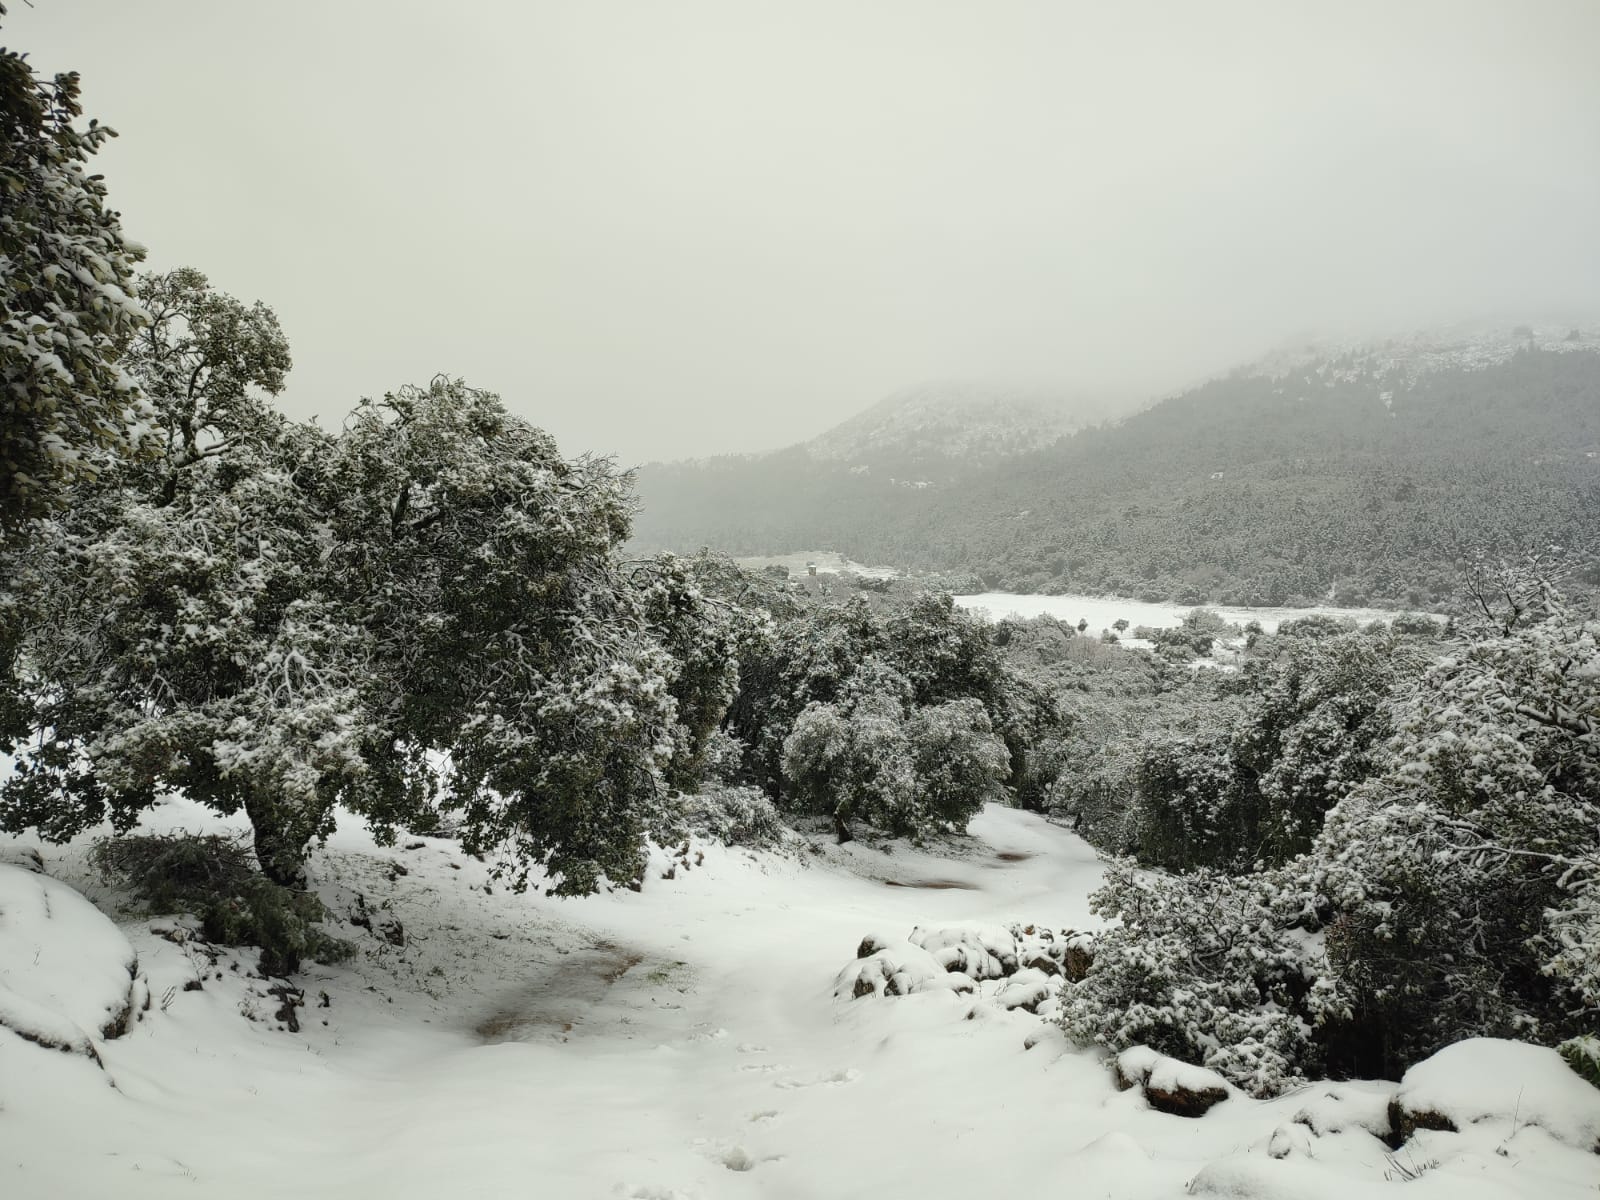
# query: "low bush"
[[214, 878], [734, 816]]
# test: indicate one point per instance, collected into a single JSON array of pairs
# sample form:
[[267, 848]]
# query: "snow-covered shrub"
[[1464, 875], [723, 762], [733, 815], [1027, 989], [1582, 1054], [212, 877], [1206, 968]]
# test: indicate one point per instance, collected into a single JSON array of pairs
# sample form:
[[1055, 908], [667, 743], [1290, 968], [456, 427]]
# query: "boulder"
[[872, 943], [898, 971], [1066, 952], [1027, 989], [977, 951], [1492, 1080], [1170, 1085]]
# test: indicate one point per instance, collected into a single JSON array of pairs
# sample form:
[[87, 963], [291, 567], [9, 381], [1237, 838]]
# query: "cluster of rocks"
[[1024, 965]]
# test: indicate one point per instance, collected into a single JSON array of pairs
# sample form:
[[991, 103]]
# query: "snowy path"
[[682, 1042]]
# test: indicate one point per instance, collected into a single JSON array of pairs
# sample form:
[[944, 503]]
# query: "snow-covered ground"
[[1102, 611], [683, 1041]]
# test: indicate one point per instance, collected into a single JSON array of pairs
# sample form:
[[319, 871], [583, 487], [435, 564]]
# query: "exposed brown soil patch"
[[560, 999]]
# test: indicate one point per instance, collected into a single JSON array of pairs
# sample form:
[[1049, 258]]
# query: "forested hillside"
[[1368, 476]]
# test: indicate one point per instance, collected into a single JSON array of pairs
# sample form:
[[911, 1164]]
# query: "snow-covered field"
[[685, 1041], [1102, 611]]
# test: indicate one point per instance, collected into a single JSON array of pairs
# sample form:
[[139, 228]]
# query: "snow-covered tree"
[[66, 300], [852, 759], [708, 636], [875, 755], [1314, 727], [949, 693], [186, 645], [1464, 874], [205, 359], [177, 631], [959, 761], [509, 646]]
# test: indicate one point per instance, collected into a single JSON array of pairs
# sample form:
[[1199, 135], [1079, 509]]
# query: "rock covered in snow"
[[977, 951], [898, 971], [1016, 967], [67, 973], [1067, 953], [1170, 1085], [1489, 1079], [26, 857], [874, 942], [1027, 989]]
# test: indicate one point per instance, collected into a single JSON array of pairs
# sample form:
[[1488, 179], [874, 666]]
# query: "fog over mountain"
[[1365, 471], [712, 226]]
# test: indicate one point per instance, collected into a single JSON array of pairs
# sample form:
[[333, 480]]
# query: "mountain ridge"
[[1372, 468]]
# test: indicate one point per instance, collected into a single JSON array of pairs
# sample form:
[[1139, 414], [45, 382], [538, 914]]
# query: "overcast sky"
[[663, 228]]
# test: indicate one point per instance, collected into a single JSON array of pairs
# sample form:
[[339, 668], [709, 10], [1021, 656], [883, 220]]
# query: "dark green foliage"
[[212, 878], [1226, 771], [1582, 1054], [905, 716], [507, 637], [707, 636], [66, 304]]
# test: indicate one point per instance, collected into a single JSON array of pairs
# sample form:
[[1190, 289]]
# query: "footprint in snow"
[[833, 1079], [737, 1158], [763, 1068], [750, 1048]]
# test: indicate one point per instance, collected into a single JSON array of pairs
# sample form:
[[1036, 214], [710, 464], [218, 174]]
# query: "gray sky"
[[677, 228]]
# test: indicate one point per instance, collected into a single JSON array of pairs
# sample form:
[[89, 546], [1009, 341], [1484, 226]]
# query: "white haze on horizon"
[[665, 230]]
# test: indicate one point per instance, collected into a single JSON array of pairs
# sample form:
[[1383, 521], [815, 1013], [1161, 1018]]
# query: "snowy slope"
[[680, 1042], [975, 425]]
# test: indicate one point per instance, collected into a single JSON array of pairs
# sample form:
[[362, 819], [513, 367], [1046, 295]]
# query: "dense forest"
[[1363, 480]]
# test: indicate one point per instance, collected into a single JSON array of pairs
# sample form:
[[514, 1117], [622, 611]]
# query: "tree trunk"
[[282, 854]]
